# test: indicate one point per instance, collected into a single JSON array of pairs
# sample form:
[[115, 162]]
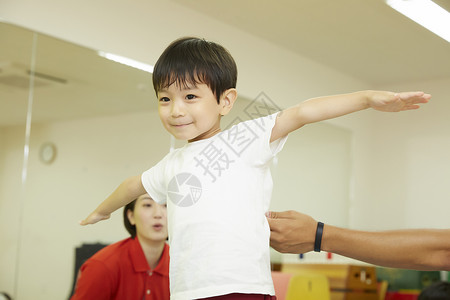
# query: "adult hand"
[[291, 231]]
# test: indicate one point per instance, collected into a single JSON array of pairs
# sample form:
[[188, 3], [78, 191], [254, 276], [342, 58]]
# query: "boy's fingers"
[[88, 221], [83, 222], [416, 97], [405, 95]]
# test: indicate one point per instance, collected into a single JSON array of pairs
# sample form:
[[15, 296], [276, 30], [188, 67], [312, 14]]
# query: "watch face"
[[47, 152]]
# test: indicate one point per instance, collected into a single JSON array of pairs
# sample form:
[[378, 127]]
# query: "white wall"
[[313, 172], [401, 163], [11, 159], [403, 166], [93, 157]]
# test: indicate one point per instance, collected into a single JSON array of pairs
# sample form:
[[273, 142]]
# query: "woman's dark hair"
[[437, 291], [191, 60], [128, 226]]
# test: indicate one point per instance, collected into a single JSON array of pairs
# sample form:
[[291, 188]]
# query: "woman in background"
[[136, 267]]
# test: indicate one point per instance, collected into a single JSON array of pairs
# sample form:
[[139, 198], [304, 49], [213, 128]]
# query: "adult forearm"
[[412, 249]]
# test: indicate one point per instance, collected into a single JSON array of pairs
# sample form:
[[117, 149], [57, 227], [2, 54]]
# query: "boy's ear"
[[227, 101]]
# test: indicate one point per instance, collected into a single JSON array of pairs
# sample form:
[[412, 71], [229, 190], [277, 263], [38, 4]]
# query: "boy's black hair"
[[128, 226], [191, 60]]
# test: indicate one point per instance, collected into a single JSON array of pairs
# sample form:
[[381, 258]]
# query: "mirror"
[[14, 95], [91, 123]]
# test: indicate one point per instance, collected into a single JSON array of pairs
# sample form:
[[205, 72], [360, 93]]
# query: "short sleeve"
[[262, 129], [153, 181]]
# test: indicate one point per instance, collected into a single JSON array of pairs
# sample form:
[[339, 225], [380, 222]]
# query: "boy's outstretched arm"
[[328, 107], [127, 191]]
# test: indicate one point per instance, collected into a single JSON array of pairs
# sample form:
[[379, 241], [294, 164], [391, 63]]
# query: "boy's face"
[[189, 113]]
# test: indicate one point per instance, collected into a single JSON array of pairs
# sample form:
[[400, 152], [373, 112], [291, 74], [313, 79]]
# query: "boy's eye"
[[190, 97], [164, 99]]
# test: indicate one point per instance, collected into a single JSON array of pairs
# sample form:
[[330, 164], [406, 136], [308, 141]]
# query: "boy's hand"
[[93, 218], [394, 102]]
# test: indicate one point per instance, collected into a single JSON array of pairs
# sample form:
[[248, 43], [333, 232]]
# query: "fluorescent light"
[[127, 61], [426, 13]]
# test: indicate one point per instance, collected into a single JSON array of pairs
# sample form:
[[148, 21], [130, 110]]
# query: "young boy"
[[216, 249]]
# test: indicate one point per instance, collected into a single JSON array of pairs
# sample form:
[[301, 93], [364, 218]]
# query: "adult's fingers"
[[275, 236], [274, 224], [281, 214]]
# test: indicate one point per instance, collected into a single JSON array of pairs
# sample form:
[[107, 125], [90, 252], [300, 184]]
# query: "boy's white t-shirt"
[[217, 192]]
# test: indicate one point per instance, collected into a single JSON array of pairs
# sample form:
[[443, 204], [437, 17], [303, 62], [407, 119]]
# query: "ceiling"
[[365, 39], [71, 81]]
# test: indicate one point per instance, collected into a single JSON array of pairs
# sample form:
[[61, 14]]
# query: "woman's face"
[[150, 219]]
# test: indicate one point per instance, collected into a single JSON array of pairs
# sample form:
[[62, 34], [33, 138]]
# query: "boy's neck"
[[205, 136]]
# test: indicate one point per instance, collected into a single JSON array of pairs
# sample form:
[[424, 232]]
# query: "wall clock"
[[47, 153]]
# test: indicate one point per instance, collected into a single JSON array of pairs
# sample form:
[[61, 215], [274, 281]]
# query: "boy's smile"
[[190, 112]]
